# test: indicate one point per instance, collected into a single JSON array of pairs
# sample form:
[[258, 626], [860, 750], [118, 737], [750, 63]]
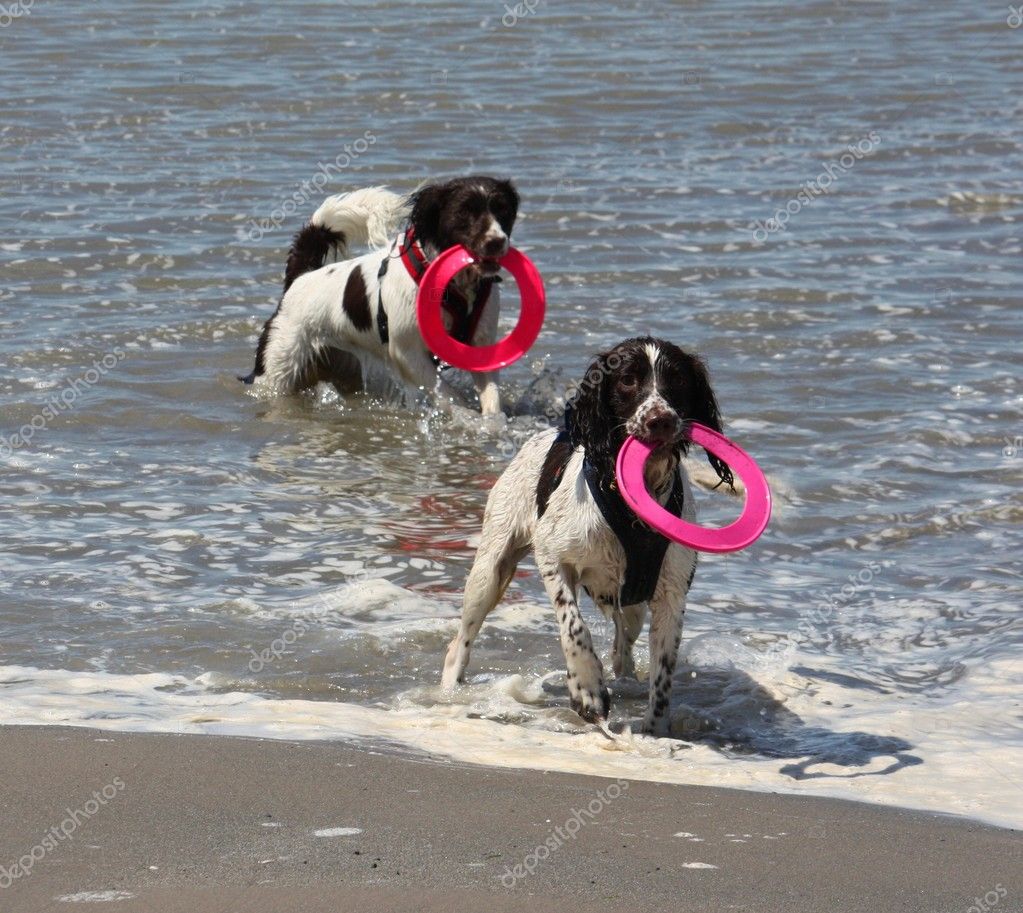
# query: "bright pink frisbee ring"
[[429, 302], [743, 532]]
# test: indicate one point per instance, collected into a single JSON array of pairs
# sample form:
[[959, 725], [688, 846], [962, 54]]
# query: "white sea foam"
[[951, 764]]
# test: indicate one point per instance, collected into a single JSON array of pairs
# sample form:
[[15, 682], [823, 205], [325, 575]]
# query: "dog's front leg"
[[488, 392], [417, 369], [666, 611], [485, 382], [589, 696]]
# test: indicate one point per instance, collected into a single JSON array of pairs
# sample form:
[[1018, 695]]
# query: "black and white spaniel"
[[559, 496], [331, 316]]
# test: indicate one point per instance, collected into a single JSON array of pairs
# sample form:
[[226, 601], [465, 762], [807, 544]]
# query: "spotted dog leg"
[[665, 635], [590, 697], [628, 623]]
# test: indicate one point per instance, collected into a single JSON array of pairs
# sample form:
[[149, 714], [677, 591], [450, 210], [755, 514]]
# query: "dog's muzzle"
[[491, 251], [655, 422]]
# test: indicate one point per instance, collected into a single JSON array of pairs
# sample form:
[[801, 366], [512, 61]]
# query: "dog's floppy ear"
[[586, 417], [427, 204], [703, 408], [511, 196]]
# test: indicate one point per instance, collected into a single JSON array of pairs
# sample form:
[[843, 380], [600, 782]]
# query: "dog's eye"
[[628, 383]]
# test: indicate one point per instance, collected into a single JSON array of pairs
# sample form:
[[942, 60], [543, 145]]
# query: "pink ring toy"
[[436, 279], [743, 532]]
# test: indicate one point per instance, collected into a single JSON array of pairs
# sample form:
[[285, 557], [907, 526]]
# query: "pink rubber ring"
[[436, 279], [743, 532]]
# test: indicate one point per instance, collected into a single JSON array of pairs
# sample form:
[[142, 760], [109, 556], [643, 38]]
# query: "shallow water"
[[181, 555]]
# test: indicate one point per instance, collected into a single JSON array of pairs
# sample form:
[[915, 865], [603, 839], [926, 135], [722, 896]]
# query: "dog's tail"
[[369, 216]]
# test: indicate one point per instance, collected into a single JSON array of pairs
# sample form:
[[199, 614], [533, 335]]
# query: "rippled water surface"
[[179, 554]]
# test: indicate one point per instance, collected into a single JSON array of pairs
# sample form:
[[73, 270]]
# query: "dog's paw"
[[657, 726], [592, 706]]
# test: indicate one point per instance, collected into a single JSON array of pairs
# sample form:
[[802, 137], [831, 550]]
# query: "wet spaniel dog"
[[334, 315], [559, 497]]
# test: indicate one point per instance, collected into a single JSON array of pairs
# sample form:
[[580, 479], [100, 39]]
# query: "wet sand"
[[163, 823]]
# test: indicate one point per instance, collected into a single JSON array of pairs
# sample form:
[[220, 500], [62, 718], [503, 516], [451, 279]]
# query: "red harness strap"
[[413, 255], [464, 319]]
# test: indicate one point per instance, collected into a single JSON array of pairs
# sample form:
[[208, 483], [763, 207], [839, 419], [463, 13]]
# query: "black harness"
[[381, 313], [644, 548]]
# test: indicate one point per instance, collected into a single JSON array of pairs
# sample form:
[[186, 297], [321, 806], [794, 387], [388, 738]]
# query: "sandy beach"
[[161, 823]]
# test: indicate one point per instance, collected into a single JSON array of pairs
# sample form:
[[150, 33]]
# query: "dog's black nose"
[[494, 247], [661, 426]]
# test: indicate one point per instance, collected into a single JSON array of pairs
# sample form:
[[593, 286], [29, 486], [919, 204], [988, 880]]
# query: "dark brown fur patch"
[[553, 469], [309, 249], [356, 302], [332, 366]]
